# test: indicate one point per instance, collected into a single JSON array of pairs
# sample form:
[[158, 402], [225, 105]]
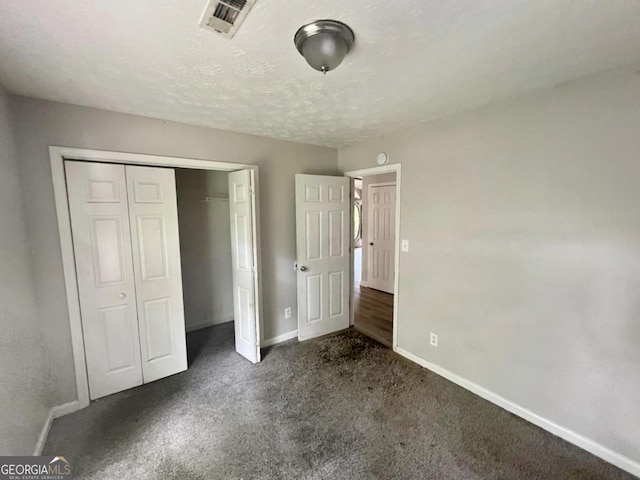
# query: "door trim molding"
[[57, 156], [367, 172], [382, 184]]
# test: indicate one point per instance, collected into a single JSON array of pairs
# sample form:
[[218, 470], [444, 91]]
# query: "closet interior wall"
[[205, 247]]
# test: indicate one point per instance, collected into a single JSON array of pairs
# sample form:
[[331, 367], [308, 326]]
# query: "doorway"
[[246, 267], [327, 237], [373, 255], [375, 247]]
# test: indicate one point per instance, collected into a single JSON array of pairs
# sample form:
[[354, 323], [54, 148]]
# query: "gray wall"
[[41, 124], [24, 398], [524, 229], [205, 247], [366, 182]]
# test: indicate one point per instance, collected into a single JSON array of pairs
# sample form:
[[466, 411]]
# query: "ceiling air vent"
[[225, 16]]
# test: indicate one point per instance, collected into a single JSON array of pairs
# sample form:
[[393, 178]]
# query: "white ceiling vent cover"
[[225, 16]]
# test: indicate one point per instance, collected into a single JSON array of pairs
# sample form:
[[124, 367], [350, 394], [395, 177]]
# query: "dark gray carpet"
[[337, 407]]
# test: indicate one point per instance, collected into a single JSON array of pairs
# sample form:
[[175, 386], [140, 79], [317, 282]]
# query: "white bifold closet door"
[[125, 234], [242, 206], [153, 216]]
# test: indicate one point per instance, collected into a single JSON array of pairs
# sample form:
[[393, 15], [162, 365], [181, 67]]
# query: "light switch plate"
[[405, 245]]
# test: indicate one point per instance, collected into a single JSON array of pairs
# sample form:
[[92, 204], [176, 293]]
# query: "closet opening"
[[151, 249], [205, 253]]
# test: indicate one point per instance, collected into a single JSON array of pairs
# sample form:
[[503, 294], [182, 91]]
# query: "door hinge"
[[252, 191]]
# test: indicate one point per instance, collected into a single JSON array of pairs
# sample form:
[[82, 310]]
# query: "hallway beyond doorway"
[[373, 309]]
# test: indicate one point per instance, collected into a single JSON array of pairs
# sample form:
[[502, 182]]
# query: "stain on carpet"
[[337, 407]]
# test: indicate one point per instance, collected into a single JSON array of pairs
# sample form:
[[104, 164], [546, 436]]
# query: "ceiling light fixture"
[[324, 43]]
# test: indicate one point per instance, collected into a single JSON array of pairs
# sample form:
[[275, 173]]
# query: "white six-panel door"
[[153, 216], [104, 267], [322, 244], [382, 243], [125, 232], [244, 264]]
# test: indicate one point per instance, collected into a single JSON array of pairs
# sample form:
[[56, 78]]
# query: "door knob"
[[122, 296], [303, 268], [370, 243]]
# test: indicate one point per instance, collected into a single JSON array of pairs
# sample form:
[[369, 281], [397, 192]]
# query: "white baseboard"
[[42, 439], [55, 412], [280, 338], [570, 436], [66, 409], [199, 326]]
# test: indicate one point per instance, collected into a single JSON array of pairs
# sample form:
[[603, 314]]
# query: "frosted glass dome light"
[[324, 43]]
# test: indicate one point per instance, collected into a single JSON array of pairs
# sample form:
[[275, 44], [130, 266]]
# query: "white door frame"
[[366, 172], [57, 156]]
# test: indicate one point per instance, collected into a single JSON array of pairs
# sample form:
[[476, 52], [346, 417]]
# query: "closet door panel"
[[104, 267], [153, 217]]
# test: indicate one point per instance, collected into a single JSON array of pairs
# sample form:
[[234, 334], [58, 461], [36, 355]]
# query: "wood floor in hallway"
[[374, 313]]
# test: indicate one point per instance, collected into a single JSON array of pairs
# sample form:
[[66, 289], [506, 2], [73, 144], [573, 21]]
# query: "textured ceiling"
[[414, 60]]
